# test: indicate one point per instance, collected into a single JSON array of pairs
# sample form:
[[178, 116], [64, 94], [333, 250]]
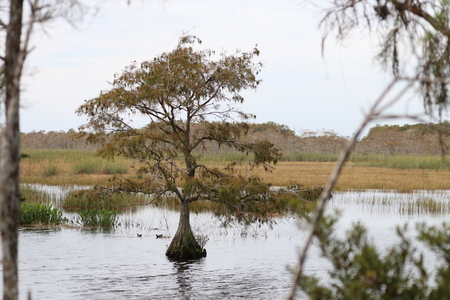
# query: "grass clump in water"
[[42, 214], [427, 205], [103, 218]]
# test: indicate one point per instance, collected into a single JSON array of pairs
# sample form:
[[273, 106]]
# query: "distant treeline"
[[389, 140]]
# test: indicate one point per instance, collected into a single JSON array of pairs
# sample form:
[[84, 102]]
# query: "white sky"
[[300, 88]]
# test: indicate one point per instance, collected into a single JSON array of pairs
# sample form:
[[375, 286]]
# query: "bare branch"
[[372, 115]]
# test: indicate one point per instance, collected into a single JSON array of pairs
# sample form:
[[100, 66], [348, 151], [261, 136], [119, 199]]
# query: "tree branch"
[[326, 194]]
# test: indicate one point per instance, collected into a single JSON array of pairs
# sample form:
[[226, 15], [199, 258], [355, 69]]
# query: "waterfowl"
[[139, 234], [159, 236]]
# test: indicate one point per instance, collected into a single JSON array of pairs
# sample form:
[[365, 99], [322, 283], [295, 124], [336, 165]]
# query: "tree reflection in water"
[[184, 274]]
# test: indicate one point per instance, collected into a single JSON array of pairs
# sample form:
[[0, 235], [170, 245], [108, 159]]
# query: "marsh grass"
[[94, 166], [71, 162], [95, 199], [58, 155], [112, 168], [309, 157], [425, 205], [87, 167], [102, 218], [405, 162], [356, 177], [32, 195], [364, 171], [40, 214], [50, 170], [416, 203]]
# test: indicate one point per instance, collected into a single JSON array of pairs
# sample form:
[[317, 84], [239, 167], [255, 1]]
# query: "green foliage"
[[99, 199], [228, 156], [180, 92], [243, 200], [299, 206], [103, 218], [42, 214], [361, 271]]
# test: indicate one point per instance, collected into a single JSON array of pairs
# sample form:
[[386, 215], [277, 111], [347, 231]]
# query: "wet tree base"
[[185, 248], [183, 256], [185, 253]]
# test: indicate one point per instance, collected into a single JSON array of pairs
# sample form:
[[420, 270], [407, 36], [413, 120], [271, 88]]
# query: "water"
[[242, 263]]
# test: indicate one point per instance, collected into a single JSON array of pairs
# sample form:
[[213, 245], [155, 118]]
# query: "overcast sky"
[[300, 88]]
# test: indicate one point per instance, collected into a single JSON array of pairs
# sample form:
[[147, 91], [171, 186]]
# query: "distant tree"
[[279, 128], [188, 100], [422, 139], [322, 141]]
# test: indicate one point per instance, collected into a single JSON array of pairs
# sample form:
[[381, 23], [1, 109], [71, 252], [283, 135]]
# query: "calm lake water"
[[242, 263]]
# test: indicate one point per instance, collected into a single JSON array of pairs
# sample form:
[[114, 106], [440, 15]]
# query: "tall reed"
[[103, 218]]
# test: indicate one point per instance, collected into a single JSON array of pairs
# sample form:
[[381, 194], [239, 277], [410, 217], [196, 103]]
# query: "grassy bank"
[[62, 167], [403, 173]]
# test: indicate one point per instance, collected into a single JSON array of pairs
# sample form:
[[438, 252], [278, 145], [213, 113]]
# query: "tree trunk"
[[184, 246], [9, 164]]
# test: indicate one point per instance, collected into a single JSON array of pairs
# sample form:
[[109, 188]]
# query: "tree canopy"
[[188, 98]]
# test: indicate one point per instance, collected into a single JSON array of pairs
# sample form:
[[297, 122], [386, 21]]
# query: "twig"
[[374, 113]]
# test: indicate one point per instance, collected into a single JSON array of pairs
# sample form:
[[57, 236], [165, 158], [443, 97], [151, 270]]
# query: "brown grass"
[[284, 174], [353, 177]]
